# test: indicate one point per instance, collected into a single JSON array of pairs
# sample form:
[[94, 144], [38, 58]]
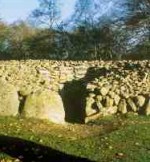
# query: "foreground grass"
[[116, 139]]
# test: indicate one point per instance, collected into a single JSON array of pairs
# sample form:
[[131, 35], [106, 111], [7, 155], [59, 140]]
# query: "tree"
[[114, 26], [18, 44], [4, 34], [47, 14], [83, 12], [138, 28]]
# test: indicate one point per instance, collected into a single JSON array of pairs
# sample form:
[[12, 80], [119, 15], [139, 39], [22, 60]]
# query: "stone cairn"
[[123, 87], [115, 87]]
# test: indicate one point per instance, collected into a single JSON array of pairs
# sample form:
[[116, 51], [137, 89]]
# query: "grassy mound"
[[119, 138]]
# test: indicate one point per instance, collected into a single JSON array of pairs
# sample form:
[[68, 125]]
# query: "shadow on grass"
[[27, 151]]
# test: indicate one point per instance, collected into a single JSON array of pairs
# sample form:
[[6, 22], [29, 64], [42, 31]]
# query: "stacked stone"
[[115, 87], [125, 87]]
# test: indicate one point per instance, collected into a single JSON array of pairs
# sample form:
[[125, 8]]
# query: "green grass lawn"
[[110, 139]]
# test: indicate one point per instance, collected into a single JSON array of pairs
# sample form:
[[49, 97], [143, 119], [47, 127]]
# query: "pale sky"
[[13, 10]]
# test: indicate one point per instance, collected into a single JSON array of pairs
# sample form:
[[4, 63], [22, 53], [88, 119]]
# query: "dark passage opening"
[[74, 95]]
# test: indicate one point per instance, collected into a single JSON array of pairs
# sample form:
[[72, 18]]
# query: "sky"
[[13, 10]]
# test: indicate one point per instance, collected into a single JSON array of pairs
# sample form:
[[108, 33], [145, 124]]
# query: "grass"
[[111, 139]]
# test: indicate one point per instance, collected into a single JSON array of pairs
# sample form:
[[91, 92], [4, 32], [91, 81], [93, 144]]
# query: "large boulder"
[[9, 101], [45, 105], [122, 107], [140, 100], [104, 90], [89, 105], [132, 104]]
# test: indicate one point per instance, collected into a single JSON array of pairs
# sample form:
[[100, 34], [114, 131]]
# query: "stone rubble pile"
[[120, 89], [32, 88], [32, 75]]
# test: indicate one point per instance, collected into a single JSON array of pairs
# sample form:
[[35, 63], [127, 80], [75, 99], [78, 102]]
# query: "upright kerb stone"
[[9, 102], [45, 105]]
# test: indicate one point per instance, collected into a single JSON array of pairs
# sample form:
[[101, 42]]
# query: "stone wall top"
[[31, 75]]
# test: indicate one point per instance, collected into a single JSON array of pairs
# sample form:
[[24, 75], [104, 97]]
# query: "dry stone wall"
[[111, 86]]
